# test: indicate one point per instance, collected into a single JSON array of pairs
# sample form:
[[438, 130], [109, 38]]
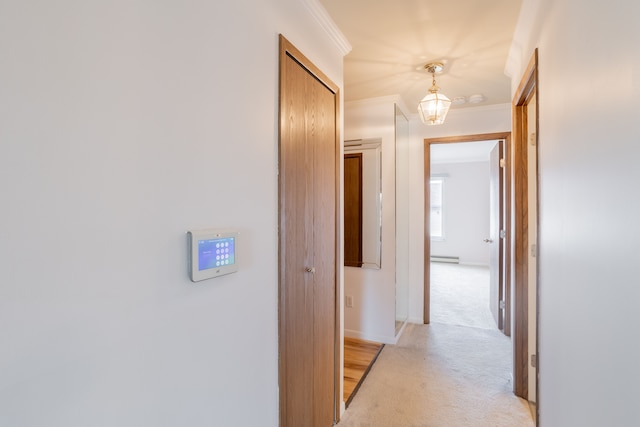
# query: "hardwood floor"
[[359, 356]]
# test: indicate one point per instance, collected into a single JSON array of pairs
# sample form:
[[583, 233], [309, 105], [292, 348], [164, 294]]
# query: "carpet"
[[440, 375], [460, 295]]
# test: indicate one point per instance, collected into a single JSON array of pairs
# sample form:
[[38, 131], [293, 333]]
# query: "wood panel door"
[[497, 301], [308, 197]]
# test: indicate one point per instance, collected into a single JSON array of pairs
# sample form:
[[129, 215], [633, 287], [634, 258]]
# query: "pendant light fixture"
[[434, 107]]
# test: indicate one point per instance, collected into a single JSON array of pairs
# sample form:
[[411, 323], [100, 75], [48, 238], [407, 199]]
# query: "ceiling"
[[392, 40]]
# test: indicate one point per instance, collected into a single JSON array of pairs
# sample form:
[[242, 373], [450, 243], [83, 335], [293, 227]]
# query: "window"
[[436, 217]]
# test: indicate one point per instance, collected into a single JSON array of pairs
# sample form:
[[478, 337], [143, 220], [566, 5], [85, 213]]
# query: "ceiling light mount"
[[434, 67], [434, 107]]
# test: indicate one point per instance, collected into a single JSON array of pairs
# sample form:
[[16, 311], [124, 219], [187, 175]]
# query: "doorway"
[[500, 227], [466, 216], [498, 240]]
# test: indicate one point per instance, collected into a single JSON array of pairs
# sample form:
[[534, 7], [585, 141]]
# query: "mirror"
[[402, 218], [362, 203]]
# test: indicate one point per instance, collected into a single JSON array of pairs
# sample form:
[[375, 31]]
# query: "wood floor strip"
[[359, 356]]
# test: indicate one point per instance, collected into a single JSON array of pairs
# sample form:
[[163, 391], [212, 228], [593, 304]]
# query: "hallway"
[[454, 372]]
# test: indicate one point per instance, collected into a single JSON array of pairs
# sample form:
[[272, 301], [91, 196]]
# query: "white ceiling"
[[392, 40]]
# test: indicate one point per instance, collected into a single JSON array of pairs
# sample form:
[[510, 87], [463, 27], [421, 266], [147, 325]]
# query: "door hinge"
[[502, 305], [534, 250], [503, 234], [534, 361], [502, 163]]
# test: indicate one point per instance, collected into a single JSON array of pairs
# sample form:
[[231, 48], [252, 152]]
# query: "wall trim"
[[328, 25]]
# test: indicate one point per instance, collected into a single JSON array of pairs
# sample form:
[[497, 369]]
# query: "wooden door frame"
[[527, 89], [506, 136], [287, 49]]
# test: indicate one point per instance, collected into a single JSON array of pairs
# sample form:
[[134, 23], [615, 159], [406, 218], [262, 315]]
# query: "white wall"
[[589, 206], [466, 212], [124, 124], [466, 121], [373, 314]]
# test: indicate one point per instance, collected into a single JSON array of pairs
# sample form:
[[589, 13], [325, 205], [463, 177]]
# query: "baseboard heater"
[[449, 259]]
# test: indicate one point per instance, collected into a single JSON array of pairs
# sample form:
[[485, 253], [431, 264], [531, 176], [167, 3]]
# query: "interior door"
[[495, 240], [308, 242]]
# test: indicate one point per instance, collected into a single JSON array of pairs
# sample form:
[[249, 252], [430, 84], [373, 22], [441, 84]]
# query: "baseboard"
[[369, 337], [417, 320], [444, 258], [400, 332]]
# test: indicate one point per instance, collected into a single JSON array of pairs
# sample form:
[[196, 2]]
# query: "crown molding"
[[326, 22]]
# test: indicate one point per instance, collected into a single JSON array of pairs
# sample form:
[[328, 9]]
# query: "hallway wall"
[[124, 124], [589, 206]]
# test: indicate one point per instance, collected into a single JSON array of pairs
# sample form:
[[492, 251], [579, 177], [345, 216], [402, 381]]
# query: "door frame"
[[287, 49], [506, 136], [527, 89]]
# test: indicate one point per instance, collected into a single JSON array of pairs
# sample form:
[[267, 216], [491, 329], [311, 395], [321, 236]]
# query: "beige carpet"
[[460, 295], [455, 372], [439, 376]]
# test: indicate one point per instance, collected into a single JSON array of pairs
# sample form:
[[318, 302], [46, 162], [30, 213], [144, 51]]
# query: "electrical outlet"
[[349, 299]]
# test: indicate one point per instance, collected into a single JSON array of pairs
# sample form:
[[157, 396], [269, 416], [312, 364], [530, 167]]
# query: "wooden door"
[[496, 289], [353, 210], [307, 243]]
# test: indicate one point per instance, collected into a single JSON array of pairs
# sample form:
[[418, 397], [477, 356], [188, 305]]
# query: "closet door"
[[308, 243]]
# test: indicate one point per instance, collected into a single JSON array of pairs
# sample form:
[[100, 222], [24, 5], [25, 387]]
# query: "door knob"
[[310, 269], [488, 240]]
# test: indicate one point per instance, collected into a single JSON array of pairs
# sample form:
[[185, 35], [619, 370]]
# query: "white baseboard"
[[418, 320], [400, 332]]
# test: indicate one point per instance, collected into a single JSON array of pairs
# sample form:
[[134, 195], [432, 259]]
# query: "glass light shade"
[[434, 108]]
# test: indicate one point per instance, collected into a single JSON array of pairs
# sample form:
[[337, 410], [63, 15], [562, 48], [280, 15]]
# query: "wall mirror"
[[363, 203]]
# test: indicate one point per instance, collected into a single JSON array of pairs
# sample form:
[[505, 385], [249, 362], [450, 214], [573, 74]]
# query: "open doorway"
[[499, 238], [465, 214], [471, 244]]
